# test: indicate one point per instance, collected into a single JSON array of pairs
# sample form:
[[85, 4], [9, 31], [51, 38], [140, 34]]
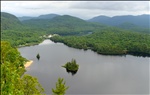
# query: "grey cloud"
[[112, 5], [82, 9]]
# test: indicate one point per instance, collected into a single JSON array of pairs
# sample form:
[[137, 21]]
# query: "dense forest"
[[22, 37], [110, 41], [13, 31], [13, 79]]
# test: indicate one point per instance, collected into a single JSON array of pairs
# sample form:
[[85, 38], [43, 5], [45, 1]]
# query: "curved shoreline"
[[28, 63]]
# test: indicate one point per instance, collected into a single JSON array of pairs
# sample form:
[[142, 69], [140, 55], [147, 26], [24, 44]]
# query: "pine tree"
[[60, 87]]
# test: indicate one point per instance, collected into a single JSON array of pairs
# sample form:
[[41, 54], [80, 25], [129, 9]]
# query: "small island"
[[38, 56], [71, 66]]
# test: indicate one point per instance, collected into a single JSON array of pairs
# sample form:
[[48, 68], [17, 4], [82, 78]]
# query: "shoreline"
[[28, 63]]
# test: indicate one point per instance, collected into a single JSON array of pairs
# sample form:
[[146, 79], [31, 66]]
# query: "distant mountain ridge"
[[46, 16], [140, 23], [140, 20], [64, 25], [58, 21]]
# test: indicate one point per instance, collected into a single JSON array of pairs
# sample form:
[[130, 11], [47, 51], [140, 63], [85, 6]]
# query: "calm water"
[[97, 74]]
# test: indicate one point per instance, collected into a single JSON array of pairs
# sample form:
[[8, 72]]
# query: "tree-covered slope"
[[13, 80], [25, 18], [67, 19], [110, 41], [58, 21], [72, 25], [13, 31], [64, 25], [47, 16], [9, 21], [22, 37], [133, 27]]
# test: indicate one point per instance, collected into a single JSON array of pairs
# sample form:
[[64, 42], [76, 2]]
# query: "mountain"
[[63, 25], [13, 31], [9, 21], [67, 20], [25, 18], [59, 21], [55, 19], [47, 16], [133, 27], [127, 25], [99, 19], [140, 20]]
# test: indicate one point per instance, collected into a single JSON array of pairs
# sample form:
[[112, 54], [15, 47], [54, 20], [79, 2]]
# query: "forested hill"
[[140, 20], [13, 31], [46, 16], [133, 27], [60, 21], [64, 20], [9, 21], [64, 25], [71, 22]]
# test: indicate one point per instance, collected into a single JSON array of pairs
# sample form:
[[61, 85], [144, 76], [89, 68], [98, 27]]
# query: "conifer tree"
[[60, 87]]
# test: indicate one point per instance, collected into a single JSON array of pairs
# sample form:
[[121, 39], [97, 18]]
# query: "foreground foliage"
[[13, 82], [60, 87]]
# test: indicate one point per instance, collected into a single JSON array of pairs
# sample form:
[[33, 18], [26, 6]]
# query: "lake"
[[97, 74]]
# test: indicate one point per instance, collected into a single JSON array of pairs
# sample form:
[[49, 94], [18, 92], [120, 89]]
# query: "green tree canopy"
[[13, 82]]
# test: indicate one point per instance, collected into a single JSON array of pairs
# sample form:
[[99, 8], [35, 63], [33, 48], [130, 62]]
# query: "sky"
[[81, 9]]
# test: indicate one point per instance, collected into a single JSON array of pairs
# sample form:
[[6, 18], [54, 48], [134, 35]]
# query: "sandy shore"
[[28, 63]]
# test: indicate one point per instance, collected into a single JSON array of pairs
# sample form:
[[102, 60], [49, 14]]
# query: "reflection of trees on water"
[[72, 72]]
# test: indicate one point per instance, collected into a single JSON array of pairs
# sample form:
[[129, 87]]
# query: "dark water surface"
[[97, 74]]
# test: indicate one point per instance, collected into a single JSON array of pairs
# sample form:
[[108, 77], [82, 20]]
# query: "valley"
[[104, 39], [112, 54]]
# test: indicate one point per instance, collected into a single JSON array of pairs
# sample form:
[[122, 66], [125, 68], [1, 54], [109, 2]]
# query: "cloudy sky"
[[82, 9]]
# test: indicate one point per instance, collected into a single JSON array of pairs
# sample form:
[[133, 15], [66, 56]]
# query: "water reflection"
[[72, 72], [38, 56]]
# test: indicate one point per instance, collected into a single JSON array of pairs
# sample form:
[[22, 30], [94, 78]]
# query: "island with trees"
[[71, 66]]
